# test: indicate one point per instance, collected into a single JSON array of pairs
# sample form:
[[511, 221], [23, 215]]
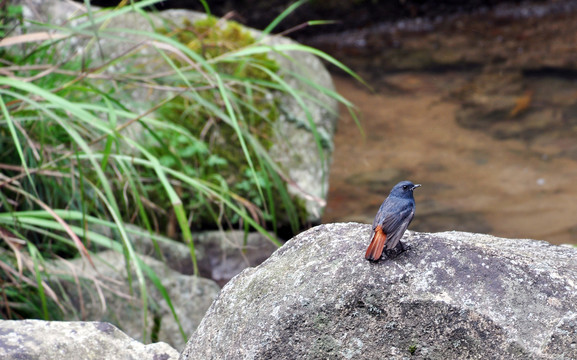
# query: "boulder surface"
[[49, 340], [452, 295]]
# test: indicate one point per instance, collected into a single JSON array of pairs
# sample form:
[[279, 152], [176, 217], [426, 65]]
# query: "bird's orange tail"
[[375, 249]]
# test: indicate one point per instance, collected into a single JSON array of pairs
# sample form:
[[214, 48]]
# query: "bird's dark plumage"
[[393, 218]]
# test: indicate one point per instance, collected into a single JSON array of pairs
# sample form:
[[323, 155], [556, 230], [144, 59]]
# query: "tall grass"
[[79, 151]]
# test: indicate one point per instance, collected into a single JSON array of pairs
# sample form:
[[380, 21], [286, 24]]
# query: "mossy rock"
[[285, 130]]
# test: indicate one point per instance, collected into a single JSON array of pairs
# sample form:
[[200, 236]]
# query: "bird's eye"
[[405, 187]]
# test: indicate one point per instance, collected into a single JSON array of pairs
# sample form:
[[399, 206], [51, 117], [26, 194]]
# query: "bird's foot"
[[406, 247], [397, 250]]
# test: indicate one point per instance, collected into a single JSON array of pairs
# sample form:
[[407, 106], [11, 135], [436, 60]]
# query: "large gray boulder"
[[52, 340], [452, 295]]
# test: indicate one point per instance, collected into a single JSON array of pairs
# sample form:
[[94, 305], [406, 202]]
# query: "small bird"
[[393, 218]]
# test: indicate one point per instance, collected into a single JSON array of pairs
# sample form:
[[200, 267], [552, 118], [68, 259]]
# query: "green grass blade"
[[36, 258], [282, 16], [14, 135], [174, 199], [158, 284]]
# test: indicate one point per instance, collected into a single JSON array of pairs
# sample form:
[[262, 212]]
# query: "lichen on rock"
[[452, 295]]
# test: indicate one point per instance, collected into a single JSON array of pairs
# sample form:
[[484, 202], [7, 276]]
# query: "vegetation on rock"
[[99, 145]]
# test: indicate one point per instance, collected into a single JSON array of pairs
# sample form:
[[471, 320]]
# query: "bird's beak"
[[416, 186]]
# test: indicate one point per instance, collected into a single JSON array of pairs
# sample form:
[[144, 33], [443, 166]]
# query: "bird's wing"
[[379, 216], [394, 225]]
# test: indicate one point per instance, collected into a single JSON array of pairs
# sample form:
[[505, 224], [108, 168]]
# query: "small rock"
[[51, 340], [224, 254]]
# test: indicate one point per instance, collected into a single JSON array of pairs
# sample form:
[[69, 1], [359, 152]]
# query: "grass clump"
[[86, 165], [213, 152]]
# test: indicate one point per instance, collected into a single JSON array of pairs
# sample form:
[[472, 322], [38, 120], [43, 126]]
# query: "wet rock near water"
[[50, 340], [452, 295], [527, 35]]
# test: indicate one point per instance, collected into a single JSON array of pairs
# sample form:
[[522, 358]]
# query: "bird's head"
[[404, 189]]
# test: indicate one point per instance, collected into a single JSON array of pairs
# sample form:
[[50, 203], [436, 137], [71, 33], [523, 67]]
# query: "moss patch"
[[212, 149]]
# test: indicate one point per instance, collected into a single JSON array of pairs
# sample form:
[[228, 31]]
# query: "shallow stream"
[[521, 186], [480, 108]]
